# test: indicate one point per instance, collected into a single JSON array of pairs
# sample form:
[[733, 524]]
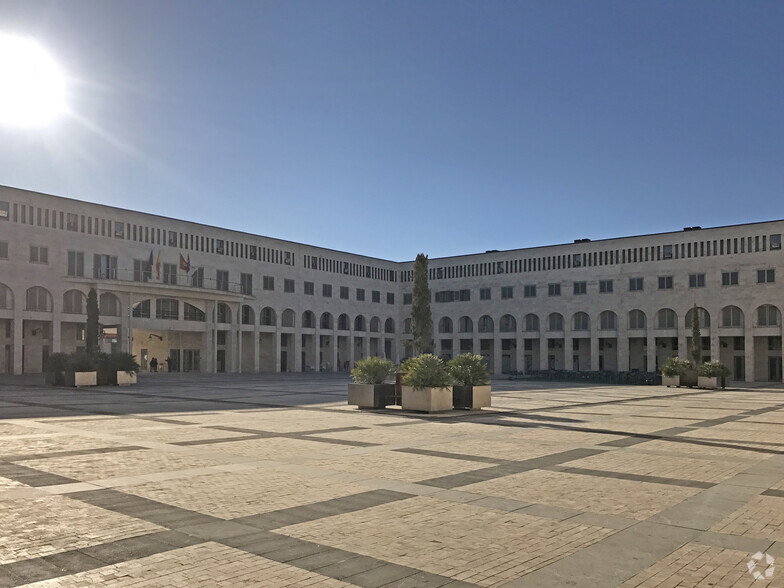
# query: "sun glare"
[[32, 87]]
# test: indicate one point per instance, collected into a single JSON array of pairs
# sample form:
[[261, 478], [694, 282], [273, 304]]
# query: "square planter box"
[[708, 382], [689, 378], [81, 379], [370, 395], [126, 378], [671, 380], [471, 397], [427, 399]]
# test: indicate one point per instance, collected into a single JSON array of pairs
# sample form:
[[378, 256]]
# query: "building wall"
[[489, 289]]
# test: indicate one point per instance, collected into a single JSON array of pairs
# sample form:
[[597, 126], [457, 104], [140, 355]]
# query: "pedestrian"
[[153, 365], [168, 364]]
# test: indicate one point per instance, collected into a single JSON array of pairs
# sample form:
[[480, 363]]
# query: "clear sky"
[[392, 127]]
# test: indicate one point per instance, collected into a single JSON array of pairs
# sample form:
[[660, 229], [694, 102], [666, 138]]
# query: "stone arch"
[[486, 324], [308, 320], [465, 325], [344, 322], [6, 297], [389, 326], [768, 315], [269, 318], [703, 318], [445, 325], [732, 316], [508, 324], [74, 302], [555, 321], [407, 326], [608, 321], [375, 325], [38, 299], [248, 315], [109, 305], [222, 313], [531, 323], [581, 321], [637, 319], [666, 318], [325, 322], [288, 318], [359, 323]]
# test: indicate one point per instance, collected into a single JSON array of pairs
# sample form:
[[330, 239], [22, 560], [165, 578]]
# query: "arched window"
[[486, 324], [308, 320], [6, 297], [167, 308], [248, 315], [223, 313], [531, 322], [555, 322], [142, 309], [666, 319], [445, 325], [268, 318], [343, 322], [508, 324], [192, 313], [407, 326], [731, 316], [109, 304], [326, 321], [465, 325], [389, 326], [608, 321], [359, 323], [74, 302], [703, 318], [768, 316], [637, 319], [286, 320], [39, 299], [375, 325], [581, 322]]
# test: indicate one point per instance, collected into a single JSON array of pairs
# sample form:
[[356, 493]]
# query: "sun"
[[32, 86]]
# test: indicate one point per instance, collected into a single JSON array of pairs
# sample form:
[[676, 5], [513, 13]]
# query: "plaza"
[[272, 480]]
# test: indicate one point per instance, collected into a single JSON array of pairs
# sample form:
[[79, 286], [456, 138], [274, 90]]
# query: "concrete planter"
[[471, 397], [689, 378], [370, 395], [126, 378], [427, 399], [81, 379], [708, 382], [671, 381]]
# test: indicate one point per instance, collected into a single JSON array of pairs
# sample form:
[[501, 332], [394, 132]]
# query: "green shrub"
[[82, 362], [675, 366], [109, 364], [468, 370], [426, 371], [372, 370], [713, 369]]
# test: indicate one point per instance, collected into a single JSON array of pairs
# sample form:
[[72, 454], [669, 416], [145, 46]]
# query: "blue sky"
[[393, 127]]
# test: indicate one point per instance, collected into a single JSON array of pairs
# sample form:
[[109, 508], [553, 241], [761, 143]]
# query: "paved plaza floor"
[[272, 480]]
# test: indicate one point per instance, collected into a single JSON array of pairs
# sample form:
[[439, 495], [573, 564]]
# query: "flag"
[[185, 265], [158, 267], [149, 263], [148, 269]]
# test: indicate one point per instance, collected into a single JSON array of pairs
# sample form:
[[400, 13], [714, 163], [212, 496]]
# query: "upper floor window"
[[529, 291], [696, 280], [766, 276], [167, 308], [775, 241], [4, 210], [605, 286], [667, 252], [554, 290], [361, 294], [408, 298], [288, 286], [390, 297], [222, 280], [580, 287], [484, 293], [635, 284], [729, 278], [326, 290], [104, 267], [376, 296], [310, 288], [268, 282], [170, 273], [76, 263], [344, 292], [3, 249], [507, 292], [665, 282], [246, 284], [39, 254], [577, 259]]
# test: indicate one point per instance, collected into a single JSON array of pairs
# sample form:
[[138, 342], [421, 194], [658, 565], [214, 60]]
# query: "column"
[[333, 341], [651, 351], [56, 337], [296, 349], [544, 351], [683, 349], [18, 333], [366, 345], [594, 352], [568, 350], [350, 346], [437, 346], [497, 354], [623, 350], [714, 344], [255, 346], [278, 341], [519, 352], [237, 335], [749, 343]]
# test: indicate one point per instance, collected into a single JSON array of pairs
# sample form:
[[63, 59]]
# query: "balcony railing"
[[181, 279]]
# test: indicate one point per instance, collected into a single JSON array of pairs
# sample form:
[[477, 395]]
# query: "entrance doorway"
[[191, 360], [221, 360], [774, 369], [739, 365]]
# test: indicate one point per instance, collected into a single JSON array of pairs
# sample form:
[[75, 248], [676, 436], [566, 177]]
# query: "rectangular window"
[[170, 273], [696, 280], [344, 292], [577, 260], [76, 263], [246, 284], [729, 278], [553, 289], [39, 254], [635, 284], [667, 252], [408, 298], [4, 210], [72, 223], [326, 290], [484, 293], [390, 297], [605, 286], [288, 286], [142, 309], [310, 289], [775, 241], [507, 292], [665, 282], [766, 276], [376, 296], [529, 291], [268, 282], [580, 287], [119, 233], [167, 308], [222, 280], [361, 294]]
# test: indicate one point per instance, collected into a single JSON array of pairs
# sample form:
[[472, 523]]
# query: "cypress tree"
[[421, 317], [91, 334], [696, 338]]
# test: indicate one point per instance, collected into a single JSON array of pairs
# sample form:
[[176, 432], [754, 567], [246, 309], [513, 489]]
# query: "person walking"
[[153, 365]]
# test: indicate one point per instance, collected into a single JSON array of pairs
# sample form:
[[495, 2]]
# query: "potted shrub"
[[710, 373], [118, 368], [56, 366], [673, 369], [81, 371], [368, 389], [427, 385], [471, 389]]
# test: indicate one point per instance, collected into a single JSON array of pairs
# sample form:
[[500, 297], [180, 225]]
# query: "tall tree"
[[695, 351], [91, 334], [421, 317]]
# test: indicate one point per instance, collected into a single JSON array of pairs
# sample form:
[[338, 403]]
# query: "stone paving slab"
[[272, 480]]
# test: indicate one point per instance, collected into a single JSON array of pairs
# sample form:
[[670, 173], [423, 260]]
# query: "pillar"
[[594, 352], [749, 334], [651, 351]]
